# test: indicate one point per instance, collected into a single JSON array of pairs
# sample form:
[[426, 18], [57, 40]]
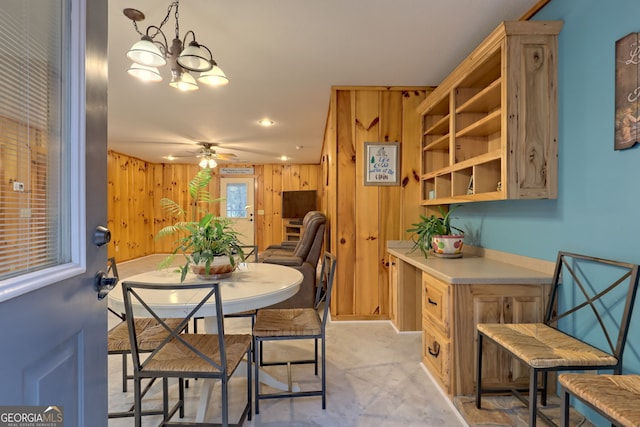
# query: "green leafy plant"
[[430, 226], [200, 240]]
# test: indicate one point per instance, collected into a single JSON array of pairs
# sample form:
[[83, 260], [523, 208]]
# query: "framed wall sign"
[[382, 163], [627, 119]]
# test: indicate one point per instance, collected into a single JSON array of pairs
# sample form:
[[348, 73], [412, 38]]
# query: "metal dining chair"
[[183, 355], [149, 334], [296, 324]]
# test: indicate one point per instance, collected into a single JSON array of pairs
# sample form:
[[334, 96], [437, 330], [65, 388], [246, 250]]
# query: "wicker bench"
[[603, 288], [616, 397]]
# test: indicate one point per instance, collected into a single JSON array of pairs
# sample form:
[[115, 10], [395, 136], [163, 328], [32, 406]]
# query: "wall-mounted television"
[[296, 204]]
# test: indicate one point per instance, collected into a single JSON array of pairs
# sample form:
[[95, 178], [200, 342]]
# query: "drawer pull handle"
[[436, 352], [430, 301]]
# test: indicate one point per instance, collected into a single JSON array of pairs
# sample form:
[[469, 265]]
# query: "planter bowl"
[[219, 269], [448, 246]]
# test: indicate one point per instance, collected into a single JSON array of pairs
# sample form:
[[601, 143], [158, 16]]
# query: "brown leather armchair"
[[303, 256]]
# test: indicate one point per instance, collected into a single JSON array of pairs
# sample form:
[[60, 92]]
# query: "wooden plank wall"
[[135, 188], [363, 217]]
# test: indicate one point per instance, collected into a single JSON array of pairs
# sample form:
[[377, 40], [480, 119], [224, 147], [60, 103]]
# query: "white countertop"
[[469, 269]]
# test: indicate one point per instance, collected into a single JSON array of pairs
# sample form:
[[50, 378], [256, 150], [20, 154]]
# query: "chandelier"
[[152, 51]]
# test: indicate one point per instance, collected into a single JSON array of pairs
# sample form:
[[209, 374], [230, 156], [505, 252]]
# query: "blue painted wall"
[[599, 188], [598, 207]]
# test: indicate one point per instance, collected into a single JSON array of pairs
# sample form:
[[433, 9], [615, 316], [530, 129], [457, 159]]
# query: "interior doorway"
[[238, 205]]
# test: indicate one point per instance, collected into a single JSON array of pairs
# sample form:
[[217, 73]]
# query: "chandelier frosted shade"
[[145, 52], [213, 77], [195, 58], [184, 82], [207, 162], [144, 73]]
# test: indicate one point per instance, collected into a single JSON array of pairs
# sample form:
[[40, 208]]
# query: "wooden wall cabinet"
[[489, 130], [450, 314]]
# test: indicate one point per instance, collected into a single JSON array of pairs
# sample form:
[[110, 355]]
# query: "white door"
[[53, 99], [237, 204]]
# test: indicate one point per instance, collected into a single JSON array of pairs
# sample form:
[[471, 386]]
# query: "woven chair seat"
[[176, 357], [617, 396], [150, 334], [541, 346], [287, 322], [242, 313], [273, 324]]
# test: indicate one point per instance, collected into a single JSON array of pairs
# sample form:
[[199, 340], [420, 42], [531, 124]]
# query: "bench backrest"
[[602, 290]]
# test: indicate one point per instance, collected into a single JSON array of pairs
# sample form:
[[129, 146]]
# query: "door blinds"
[[31, 129]]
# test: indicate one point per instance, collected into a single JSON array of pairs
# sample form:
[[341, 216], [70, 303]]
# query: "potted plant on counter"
[[210, 245], [436, 234]]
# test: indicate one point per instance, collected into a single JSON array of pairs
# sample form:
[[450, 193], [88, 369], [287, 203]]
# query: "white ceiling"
[[282, 57]]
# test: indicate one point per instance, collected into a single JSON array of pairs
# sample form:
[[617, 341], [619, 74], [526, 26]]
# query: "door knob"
[[103, 283]]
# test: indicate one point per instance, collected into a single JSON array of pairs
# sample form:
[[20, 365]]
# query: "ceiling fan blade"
[[224, 156], [251, 150]]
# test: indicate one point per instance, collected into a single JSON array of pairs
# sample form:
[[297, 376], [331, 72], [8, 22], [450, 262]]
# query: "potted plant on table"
[[210, 245], [436, 234]]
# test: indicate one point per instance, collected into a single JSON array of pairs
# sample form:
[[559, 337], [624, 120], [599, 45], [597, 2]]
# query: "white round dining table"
[[251, 286]]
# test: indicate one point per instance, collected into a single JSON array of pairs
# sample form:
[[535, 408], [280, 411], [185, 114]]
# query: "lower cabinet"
[[450, 313], [404, 295]]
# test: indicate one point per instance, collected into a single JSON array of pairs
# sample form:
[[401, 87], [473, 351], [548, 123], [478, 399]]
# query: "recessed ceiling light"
[[284, 158], [169, 157], [266, 122]]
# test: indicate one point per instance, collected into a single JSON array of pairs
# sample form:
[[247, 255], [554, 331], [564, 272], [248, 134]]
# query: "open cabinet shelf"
[[489, 130]]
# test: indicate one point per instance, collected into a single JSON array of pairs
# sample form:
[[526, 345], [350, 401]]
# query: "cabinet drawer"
[[436, 353], [435, 302]]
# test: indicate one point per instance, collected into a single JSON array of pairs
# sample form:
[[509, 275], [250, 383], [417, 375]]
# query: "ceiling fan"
[[209, 155]]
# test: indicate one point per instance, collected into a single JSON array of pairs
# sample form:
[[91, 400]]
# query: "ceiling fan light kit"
[[207, 163], [149, 53]]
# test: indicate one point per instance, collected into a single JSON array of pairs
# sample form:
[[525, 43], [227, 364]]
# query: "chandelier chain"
[[164, 21], [177, 3]]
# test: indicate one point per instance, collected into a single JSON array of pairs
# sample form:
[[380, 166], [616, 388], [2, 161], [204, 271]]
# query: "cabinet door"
[[498, 368]]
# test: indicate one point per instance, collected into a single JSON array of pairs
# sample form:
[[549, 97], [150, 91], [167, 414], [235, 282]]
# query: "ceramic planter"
[[219, 268], [447, 246]]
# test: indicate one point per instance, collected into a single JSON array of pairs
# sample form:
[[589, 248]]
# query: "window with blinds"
[[33, 224]]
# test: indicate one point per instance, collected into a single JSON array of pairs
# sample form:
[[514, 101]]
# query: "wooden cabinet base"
[[450, 315]]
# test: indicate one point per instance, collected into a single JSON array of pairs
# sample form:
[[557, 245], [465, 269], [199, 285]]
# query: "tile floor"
[[374, 378]]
